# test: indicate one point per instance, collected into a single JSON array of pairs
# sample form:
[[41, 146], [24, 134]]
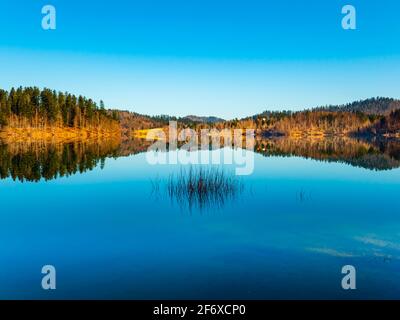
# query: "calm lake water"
[[103, 218]]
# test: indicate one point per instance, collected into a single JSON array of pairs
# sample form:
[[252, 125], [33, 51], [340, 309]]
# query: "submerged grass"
[[203, 187]]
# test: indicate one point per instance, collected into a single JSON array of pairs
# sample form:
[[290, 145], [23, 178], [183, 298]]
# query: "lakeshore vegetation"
[[42, 113], [33, 111]]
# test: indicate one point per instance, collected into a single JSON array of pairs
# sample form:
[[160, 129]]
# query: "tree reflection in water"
[[36, 160]]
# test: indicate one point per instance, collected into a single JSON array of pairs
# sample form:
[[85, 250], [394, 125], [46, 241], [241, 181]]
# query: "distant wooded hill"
[[132, 120], [371, 116], [377, 106], [203, 119], [374, 106]]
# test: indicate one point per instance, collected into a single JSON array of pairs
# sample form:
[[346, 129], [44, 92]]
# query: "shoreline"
[[55, 134]]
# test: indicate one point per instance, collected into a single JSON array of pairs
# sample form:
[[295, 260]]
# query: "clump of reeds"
[[203, 187]]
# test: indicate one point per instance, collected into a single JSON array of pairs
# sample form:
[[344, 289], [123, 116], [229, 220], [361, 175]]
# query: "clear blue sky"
[[223, 58]]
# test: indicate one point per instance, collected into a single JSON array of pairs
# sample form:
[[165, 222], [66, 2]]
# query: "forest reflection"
[[373, 154], [33, 161], [37, 160]]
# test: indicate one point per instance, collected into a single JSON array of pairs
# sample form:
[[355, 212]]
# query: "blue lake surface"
[[288, 234]]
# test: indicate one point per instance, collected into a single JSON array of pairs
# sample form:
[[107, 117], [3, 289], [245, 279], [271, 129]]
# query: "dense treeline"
[[325, 122], [305, 122], [35, 108], [377, 106]]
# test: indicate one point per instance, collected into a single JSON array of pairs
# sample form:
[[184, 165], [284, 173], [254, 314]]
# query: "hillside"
[[132, 120], [199, 119], [377, 106]]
